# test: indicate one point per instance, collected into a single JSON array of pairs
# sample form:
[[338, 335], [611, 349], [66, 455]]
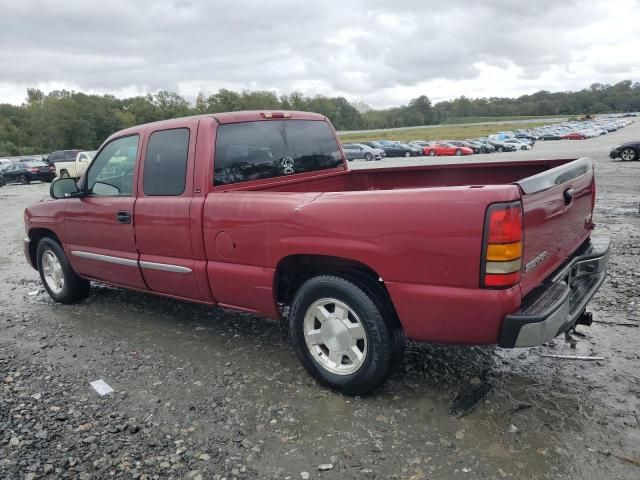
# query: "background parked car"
[[462, 143], [76, 168], [62, 156], [574, 136], [501, 146], [446, 149], [518, 144], [628, 152], [27, 172], [484, 147], [550, 136], [401, 150], [358, 150], [374, 144]]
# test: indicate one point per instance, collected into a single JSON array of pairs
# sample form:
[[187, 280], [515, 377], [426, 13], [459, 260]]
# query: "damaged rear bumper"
[[553, 307]]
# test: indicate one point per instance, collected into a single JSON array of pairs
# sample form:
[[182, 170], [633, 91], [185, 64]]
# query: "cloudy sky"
[[379, 52]]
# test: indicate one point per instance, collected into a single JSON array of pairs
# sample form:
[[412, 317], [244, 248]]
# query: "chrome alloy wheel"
[[52, 271], [628, 154], [335, 336]]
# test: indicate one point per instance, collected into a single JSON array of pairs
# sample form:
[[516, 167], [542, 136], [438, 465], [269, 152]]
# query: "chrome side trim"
[[105, 258], [165, 267]]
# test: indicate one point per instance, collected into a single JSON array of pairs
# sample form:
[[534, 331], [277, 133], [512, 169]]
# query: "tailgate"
[[557, 218]]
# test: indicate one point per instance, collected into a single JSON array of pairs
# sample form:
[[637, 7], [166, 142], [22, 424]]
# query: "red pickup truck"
[[257, 211]]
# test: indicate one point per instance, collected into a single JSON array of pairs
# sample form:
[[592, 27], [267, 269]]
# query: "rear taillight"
[[502, 246], [33, 170]]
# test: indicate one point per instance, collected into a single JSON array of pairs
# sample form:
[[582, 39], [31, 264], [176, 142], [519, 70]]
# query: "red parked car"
[[574, 136], [258, 212], [445, 149]]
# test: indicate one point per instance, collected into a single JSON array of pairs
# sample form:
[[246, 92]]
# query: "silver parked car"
[[358, 150]]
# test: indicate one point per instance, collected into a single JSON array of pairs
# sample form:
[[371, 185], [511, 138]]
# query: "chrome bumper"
[[553, 307]]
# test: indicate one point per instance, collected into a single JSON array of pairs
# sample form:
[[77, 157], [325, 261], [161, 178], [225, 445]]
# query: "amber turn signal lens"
[[504, 252]]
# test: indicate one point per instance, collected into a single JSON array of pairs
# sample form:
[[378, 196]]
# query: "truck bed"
[[449, 175]]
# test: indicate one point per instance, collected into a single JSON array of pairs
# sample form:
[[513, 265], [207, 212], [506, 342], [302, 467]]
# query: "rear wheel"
[[628, 154], [500, 149], [341, 336], [407, 154], [61, 282], [24, 180]]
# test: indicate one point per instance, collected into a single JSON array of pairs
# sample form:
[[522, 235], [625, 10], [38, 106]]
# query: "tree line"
[[63, 119]]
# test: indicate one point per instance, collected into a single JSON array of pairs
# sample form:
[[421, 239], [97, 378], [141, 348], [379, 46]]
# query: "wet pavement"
[[205, 393]]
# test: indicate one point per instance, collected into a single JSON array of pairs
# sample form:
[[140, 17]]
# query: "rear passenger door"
[[162, 215]]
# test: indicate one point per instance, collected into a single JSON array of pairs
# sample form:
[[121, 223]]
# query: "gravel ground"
[[208, 393]]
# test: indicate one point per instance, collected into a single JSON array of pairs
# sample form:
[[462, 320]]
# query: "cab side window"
[[165, 165], [111, 174]]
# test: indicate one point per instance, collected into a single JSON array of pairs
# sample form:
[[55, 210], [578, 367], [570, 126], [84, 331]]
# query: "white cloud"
[[375, 51]]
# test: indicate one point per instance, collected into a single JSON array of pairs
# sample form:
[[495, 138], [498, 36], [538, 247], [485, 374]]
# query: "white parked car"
[[520, 144], [76, 168]]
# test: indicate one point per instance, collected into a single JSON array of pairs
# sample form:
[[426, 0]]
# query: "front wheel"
[[458, 152], [407, 154], [628, 154], [432, 153], [368, 157], [24, 180], [341, 336], [61, 282], [64, 174], [501, 149]]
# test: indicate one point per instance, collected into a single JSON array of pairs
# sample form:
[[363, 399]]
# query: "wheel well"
[[35, 235], [294, 270]]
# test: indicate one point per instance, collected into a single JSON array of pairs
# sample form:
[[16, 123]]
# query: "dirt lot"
[[207, 393]]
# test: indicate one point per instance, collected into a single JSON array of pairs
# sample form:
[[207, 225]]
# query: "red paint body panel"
[[91, 226], [419, 228]]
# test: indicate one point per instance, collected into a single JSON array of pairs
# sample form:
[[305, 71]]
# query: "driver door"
[[101, 243]]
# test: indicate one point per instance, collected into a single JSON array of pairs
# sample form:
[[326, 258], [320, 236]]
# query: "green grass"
[[444, 132], [458, 120]]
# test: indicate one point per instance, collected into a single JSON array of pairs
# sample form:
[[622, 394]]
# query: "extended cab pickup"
[[258, 212], [75, 168]]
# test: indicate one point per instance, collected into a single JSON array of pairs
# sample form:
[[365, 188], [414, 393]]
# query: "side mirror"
[[64, 188]]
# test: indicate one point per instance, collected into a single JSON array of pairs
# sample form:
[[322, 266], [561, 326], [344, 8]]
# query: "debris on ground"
[[101, 387], [469, 396], [572, 357]]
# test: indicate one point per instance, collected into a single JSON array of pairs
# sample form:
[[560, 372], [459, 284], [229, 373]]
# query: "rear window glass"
[[256, 150], [35, 164]]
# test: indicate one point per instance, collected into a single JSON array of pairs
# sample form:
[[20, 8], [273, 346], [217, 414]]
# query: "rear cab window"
[[165, 164], [257, 150]]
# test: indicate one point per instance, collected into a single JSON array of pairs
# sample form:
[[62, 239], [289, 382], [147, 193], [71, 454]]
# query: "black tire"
[[385, 341], [75, 288], [368, 157], [500, 149], [23, 179], [432, 153], [458, 152], [64, 174], [407, 154], [630, 154]]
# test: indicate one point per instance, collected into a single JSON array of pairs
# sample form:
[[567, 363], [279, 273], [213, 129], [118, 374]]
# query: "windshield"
[[256, 150]]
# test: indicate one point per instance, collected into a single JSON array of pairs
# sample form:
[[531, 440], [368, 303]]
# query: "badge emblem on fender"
[[287, 165], [535, 262]]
